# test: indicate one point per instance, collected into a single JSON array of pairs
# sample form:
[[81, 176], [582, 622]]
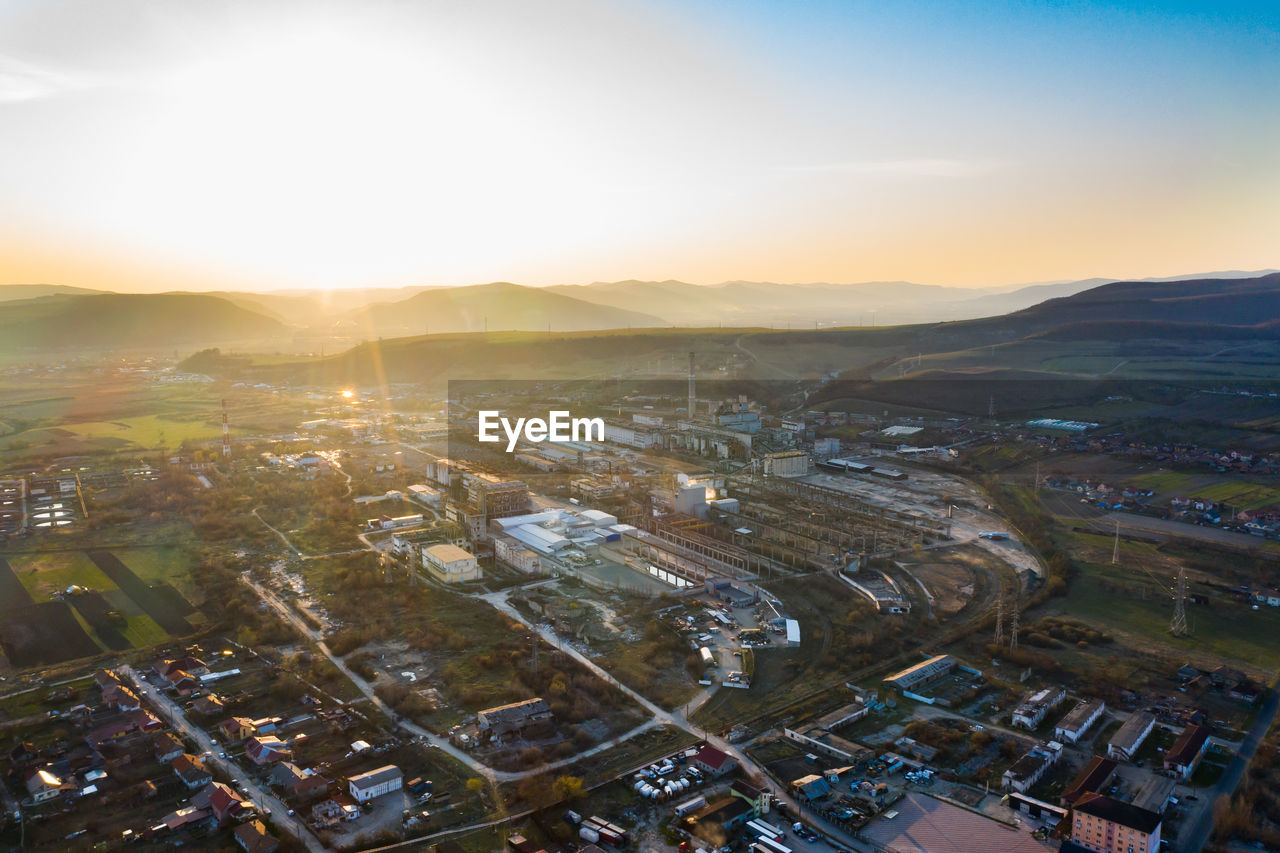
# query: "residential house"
[[267, 749], [375, 783], [191, 770], [144, 721], [222, 802], [105, 678], [298, 784], [166, 747], [110, 732], [166, 670], [120, 697], [210, 705], [41, 784], [254, 838], [759, 799], [236, 729], [184, 683], [713, 761]]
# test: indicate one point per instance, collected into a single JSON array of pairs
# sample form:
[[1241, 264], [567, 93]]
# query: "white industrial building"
[[450, 564], [639, 435], [513, 553], [1078, 720], [375, 783], [426, 496], [554, 531], [1031, 712]]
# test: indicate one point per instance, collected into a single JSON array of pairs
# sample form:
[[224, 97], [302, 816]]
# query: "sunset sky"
[[184, 145]]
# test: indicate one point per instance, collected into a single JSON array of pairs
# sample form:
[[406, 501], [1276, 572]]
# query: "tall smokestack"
[[693, 395], [226, 431]]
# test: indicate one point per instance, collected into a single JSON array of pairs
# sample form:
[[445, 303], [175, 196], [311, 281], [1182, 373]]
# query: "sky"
[[181, 145]]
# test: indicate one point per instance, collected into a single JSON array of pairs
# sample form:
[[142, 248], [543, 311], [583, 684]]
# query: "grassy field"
[[44, 575], [1225, 629], [147, 430]]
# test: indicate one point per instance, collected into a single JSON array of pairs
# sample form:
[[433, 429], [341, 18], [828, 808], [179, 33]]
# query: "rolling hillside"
[[127, 321], [497, 306], [13, 292]]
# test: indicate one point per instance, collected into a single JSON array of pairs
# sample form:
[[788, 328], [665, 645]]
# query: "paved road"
[[1197, 835], [276, 811], [679, 720], [444, 744]]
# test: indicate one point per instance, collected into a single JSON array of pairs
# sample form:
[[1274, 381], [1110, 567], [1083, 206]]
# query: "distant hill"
[[496, 307], [128, 321], [1215, 301], [11, 292]]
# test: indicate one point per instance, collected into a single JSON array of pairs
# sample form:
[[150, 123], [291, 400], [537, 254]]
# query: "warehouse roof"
[[921, 824]]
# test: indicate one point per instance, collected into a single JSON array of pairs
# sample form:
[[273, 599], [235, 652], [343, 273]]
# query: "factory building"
[[450, 564], [791, 463], [926, 672]]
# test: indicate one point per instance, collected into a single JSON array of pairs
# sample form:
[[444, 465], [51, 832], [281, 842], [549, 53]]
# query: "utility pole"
[[1178, 625]]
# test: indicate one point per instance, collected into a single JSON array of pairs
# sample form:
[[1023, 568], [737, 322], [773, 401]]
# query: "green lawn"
[[46, 574], [143, 632], [147, 430]]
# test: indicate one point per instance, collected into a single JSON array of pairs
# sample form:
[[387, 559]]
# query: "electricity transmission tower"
[[1178, 625], [1000, 621], [1013, 627], [1115, 551]]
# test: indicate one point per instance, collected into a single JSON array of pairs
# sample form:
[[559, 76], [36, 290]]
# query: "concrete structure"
[[919, 823], [515, 554], [1030, 768], [515, 717], [1105, 825], [1031, 711], [792, 463], [1079, 720], [1124, 743], [375, 783], [926, 672], [426, 496], [638, 435], [450, 564], [1185, 754]]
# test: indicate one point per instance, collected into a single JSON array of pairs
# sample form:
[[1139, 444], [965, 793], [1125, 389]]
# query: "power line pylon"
[[1115, 550], [1013, 628], [1000, 621], [1178, 625]]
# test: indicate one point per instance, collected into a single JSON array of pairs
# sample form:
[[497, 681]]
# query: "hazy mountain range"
[[1143, 316], [36, 316]]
